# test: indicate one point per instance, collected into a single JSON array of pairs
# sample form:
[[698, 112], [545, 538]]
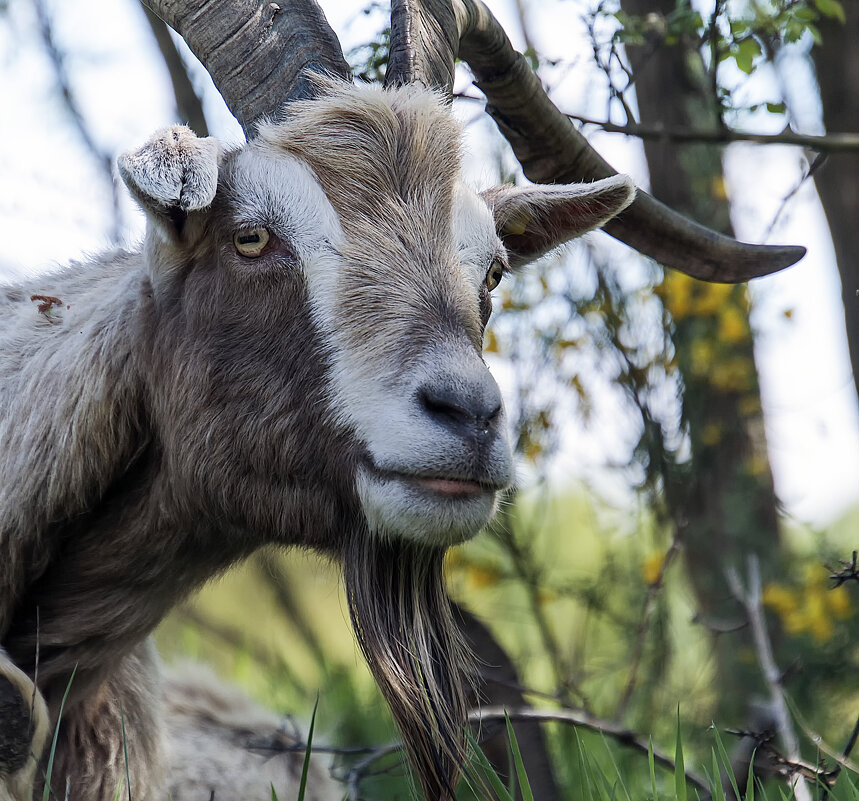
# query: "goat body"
[[294, 358]]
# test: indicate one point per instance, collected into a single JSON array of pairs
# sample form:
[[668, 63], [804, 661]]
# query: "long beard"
[[403, 622]]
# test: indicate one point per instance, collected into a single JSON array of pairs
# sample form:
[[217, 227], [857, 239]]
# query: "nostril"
[[466, 410], [443, 405]]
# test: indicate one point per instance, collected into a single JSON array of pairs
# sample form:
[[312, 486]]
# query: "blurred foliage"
[[746, 33], [563, 591]]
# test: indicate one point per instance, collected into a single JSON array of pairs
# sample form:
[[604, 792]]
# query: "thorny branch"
[[849, 572]]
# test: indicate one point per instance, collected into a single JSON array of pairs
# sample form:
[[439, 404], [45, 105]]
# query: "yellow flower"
[[732, 375], [676, 293], [780, 598], [702, 355], [652, 567], [710, 299], [733, 326], [839, 603], [757, 464], [810, 609], [482, 576]]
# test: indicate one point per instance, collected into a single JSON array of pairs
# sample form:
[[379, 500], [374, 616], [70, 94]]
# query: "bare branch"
[[829, 143], [849, 572], [101, 158], [644, 626], [188, 104], [751, 599]]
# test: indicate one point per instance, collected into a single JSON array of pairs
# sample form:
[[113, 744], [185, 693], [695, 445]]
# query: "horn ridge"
[[277, 50], [424, 44]]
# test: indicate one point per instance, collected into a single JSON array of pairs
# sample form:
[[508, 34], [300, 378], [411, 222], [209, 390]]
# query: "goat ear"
[[532, 220], [174, 173]]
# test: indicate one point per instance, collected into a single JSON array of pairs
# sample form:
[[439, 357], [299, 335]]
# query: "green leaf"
[[750, 782], [679, 767], [273, 793], [718, 790], [776, 108], [521, 775], [726, 763], [815, 34], [46, 793], [497, 784], [652, 765], [302, 787], [745, 53], [831, 8]]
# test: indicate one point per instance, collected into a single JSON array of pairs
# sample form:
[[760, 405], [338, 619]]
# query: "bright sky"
[[55, 204]]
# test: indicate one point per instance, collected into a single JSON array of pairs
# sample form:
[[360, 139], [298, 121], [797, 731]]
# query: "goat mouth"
[[449, 486]]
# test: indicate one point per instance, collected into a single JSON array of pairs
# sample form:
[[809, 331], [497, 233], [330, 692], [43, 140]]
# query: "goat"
[[293, 357]]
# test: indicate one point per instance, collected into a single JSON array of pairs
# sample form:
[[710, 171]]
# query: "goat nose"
[[465, 410]]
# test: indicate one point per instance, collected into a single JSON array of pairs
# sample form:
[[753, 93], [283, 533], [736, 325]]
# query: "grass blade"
[[652, 766], [750, 782], [584, 772], [46, 794], [521, 775], [718, 789], [487, 769], [726, 763], [679, 767], [302, 786]]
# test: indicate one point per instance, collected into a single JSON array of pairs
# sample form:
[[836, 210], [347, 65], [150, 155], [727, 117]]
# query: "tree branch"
[[751, 599], [188, 104], [829, 143], [583, 720]]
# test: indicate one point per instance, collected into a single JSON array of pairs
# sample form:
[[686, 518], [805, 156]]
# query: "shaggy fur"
[[168, 412], [218, 741]]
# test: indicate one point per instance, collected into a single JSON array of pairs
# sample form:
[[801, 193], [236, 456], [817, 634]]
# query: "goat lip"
[[453, 487], [449, 486]]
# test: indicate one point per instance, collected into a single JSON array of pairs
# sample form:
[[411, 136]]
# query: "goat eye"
[[252, 243], [494, 275]]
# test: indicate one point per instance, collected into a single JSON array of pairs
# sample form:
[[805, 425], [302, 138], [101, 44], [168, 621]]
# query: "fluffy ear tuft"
[[532, 220], [173, 173]]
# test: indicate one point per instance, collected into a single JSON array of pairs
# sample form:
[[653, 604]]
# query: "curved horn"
[[424, 44], [277, 50], [549, 147]]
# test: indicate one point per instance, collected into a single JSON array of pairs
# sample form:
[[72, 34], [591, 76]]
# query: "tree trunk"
[[837, 63], [721, 501]]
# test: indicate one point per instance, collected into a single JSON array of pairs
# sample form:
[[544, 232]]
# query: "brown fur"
[[176, 413]]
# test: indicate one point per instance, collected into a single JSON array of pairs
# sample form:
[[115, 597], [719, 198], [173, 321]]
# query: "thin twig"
[[849, 572], [644, 626], [584, 720], [58, 61], [828, 143], [751, 599], [359, 769]]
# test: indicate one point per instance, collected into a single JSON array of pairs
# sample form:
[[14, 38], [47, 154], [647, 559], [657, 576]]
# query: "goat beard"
[[404, 624]]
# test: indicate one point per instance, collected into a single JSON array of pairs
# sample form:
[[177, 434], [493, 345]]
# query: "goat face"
[[342, 274]]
